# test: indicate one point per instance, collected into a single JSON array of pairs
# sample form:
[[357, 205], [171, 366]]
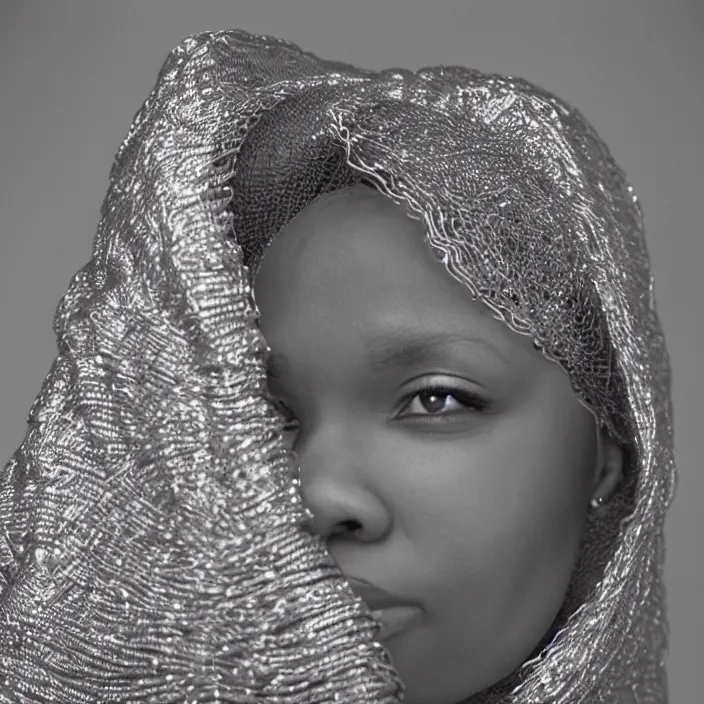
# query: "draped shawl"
[[153, 543]]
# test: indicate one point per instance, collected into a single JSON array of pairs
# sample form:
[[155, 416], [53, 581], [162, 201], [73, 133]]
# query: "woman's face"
[[468, 500]]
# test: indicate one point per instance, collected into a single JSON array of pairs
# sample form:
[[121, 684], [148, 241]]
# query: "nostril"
[[347, 527]]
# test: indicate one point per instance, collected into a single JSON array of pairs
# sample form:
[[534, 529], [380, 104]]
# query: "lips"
[[375, 597], [393, 614]]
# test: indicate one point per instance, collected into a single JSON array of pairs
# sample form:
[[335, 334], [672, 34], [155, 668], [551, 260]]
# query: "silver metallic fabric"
[[153, 543]]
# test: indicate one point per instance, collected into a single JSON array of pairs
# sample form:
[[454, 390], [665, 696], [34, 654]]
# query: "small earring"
[[597, 502]]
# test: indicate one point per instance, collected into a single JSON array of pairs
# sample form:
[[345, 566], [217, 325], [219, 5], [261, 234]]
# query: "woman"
[[164, 540]]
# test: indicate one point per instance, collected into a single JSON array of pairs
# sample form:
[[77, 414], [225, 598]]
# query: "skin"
[[474, 510]]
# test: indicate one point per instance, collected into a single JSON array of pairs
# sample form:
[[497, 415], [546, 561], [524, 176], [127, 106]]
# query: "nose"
[[337, 486]]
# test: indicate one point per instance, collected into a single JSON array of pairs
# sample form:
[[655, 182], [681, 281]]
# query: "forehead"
[[354, 260], [358, 248]]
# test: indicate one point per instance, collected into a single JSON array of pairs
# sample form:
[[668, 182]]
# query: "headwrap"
[[153, 542]]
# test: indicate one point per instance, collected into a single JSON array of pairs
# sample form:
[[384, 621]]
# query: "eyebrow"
[[406, 349], [401, 349]]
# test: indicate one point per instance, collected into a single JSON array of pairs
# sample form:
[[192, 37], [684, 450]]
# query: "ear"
[[608, 470]]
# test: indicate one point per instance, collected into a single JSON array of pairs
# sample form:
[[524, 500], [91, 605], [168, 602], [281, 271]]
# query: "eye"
[[432, 400], [290, 423], [442, 400]]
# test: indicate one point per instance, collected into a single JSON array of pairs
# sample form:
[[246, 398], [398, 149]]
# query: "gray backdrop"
[[73, 73]]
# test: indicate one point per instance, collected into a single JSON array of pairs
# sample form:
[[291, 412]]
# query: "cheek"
[[500, 518], [520, 480]]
